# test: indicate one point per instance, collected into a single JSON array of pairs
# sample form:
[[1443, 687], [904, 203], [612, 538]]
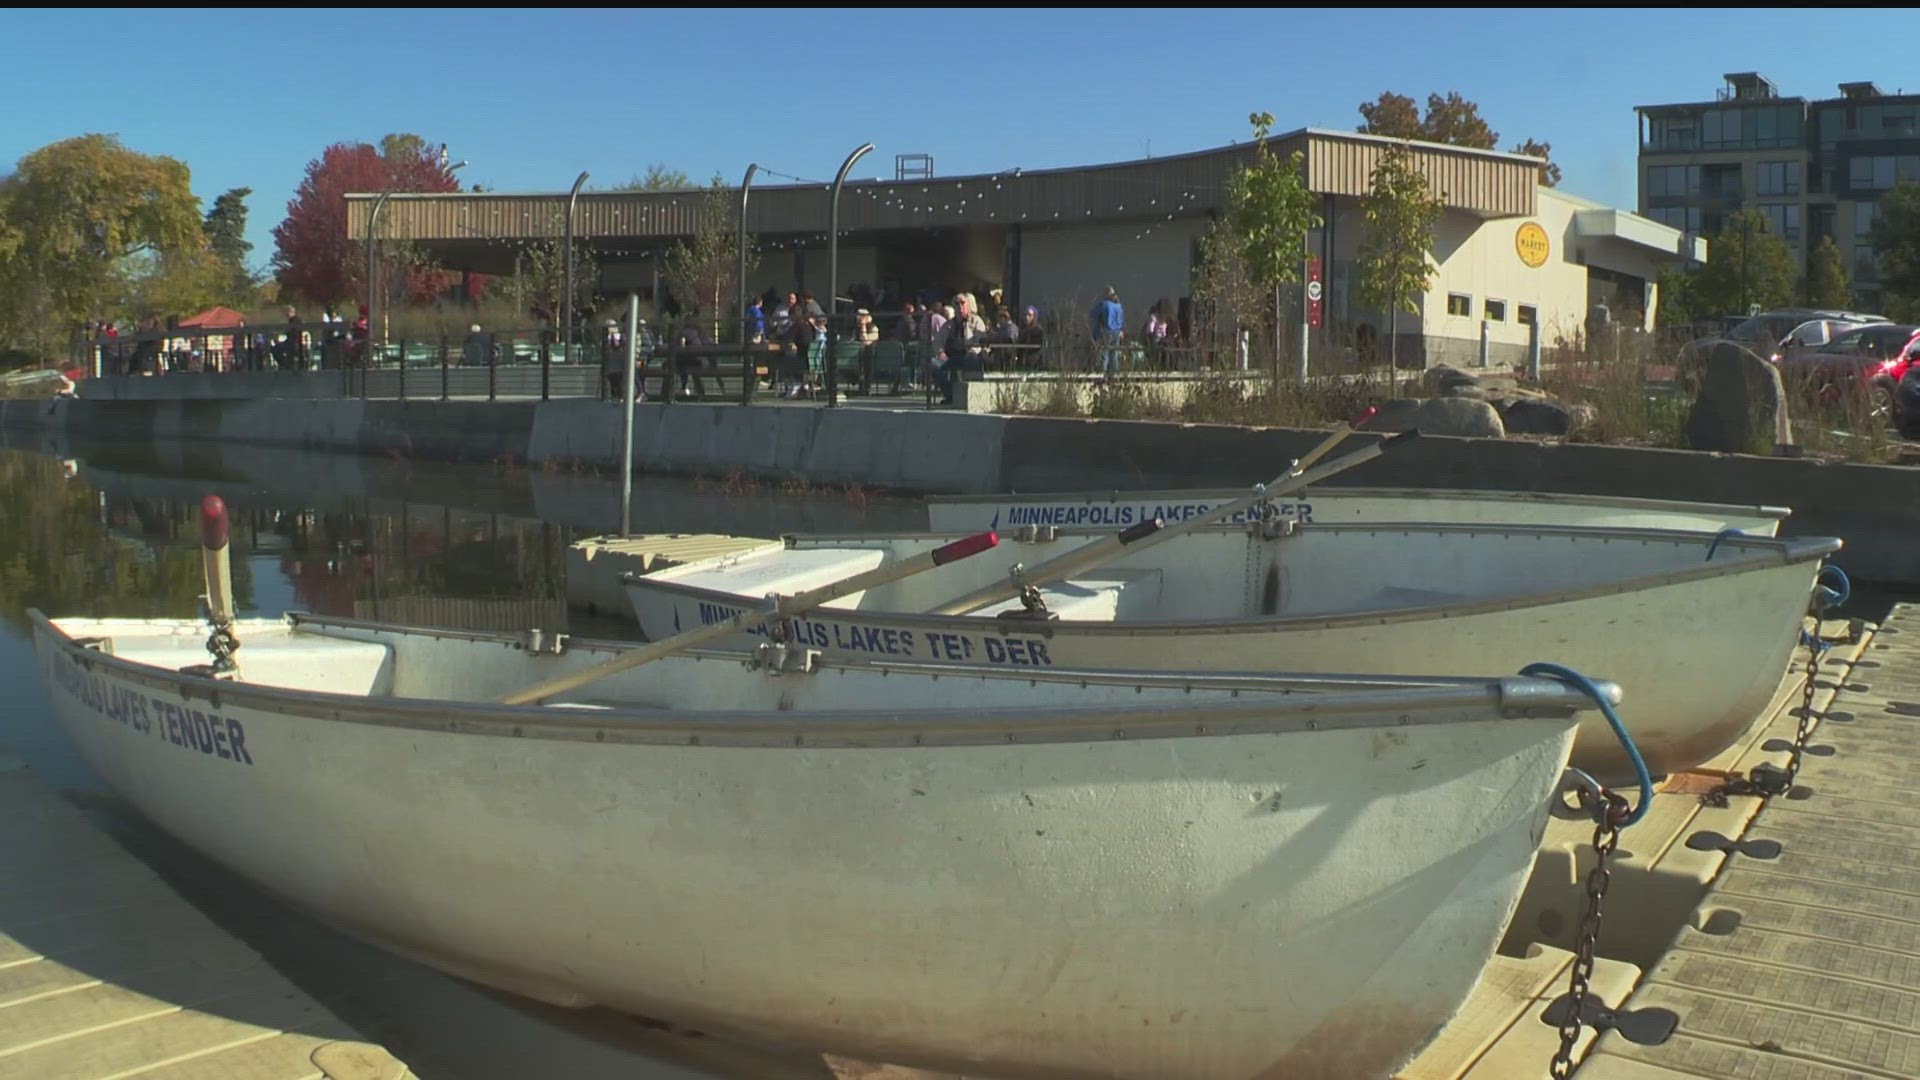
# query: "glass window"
[[1528, 315], [1496, 311], [1907, 167], [1864, 215], [1859, 172], [1657, 180], [1767, 125], [1459, 304], [1897, 122], [1779, 178], [1846, 344], [1882, 173]]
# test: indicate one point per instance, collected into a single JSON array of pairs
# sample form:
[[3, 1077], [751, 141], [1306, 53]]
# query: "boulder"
[[1740, 396], [1441, 377], [1537, 416], [1458, 416], [1394, 416], [1466, 390]]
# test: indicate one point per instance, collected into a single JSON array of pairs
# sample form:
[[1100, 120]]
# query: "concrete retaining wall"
[[1875, 508]]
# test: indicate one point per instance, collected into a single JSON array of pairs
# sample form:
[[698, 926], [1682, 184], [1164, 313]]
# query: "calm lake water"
[[116, 532]]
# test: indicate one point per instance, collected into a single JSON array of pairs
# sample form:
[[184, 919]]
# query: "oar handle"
[[1087, 555]]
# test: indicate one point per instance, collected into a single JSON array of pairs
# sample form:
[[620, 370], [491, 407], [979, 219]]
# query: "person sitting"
[[907, 330], [864, 330], [1005, 332], [1032, 334]]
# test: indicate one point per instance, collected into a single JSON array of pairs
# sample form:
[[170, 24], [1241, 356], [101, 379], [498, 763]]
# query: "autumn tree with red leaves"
[[315, 259]]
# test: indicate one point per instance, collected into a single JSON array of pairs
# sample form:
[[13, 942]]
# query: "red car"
[[1874, 357]]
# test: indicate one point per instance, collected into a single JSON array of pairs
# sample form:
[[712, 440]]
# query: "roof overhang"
[[1622, 227]]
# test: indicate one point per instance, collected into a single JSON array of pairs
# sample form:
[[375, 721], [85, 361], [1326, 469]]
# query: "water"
[[116, 533]]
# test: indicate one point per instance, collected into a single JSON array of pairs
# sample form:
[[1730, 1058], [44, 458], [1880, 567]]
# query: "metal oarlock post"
[[216, 566]]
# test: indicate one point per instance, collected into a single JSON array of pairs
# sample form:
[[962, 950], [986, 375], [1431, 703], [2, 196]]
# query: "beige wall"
[[1068, 268]]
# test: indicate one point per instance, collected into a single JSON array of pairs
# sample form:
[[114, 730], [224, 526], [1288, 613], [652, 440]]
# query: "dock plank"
[[106, 972], [1807, 966]]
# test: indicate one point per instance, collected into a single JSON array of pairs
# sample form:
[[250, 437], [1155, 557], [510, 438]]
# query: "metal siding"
[[1185, 186]]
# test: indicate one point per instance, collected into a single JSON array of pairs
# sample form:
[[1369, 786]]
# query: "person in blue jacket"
[[1108, 319]]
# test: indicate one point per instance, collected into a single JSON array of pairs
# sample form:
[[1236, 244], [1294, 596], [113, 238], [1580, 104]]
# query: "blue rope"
[[1585, 685], [1717, 537], [1824, 597]]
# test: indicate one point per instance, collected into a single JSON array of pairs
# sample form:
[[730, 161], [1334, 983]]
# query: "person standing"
[[755, 325], [962, 335], [1108, 321], [296, 340]]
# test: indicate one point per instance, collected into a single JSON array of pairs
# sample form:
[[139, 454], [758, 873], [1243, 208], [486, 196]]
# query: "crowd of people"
[[152, 345]]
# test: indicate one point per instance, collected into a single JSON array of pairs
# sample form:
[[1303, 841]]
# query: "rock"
[[1740, 395], [1537, 416], [1458, 416], [1465, 390], [1394, 416], [1439, 378]]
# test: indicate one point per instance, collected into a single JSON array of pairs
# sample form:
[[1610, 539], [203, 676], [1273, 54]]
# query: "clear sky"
[[530, 98]]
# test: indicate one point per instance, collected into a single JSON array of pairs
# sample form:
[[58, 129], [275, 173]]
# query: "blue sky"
[[530, 98]]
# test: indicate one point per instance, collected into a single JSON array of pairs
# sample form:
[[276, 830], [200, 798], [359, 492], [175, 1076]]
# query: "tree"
[[72, 212], [1747, 266], [1549, 172], [1827, 284], [180, 282], [1676, 296], [541, 280], [658, 178], [313, 255], [1394, 267], [1452, 120], [708, 267], [1896, 239], [1269, 212], [226, 232]]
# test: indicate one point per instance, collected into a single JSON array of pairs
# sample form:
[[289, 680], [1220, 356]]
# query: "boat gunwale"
[[1619, 502], [1505, 699], [1784, 552]]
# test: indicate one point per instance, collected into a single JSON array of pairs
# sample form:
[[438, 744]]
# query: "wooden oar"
[[1145, 535], [783, 607], [1326, 445]]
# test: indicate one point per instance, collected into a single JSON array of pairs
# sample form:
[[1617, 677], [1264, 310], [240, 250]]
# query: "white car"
[[1815, 333]]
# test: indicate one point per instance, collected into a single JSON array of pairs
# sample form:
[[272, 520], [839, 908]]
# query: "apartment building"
[[1813, 167]]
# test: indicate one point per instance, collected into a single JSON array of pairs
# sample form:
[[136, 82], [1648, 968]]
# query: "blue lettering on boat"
[[190, 729]]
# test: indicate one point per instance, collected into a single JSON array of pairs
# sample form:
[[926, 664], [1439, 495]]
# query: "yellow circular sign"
[[1531, 242]]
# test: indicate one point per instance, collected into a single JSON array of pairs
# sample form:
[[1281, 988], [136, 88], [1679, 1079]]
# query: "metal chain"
[[1609, 810], [1766, 780]]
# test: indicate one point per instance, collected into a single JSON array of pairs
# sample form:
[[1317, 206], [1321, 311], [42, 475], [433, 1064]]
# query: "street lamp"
[[566, 301], [833, 274], [746, 357], [373, 219]]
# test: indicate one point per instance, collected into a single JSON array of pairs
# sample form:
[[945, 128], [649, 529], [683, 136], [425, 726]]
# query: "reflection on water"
[[116, 533]]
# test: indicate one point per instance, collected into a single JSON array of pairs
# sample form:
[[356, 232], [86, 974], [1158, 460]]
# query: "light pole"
[[746, 355], [373, 274], [566, 300], [833, 274]]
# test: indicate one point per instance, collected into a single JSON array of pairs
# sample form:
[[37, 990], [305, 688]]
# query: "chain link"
[[1609, 811]]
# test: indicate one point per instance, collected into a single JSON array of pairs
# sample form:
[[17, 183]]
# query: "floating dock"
[[105, 972]]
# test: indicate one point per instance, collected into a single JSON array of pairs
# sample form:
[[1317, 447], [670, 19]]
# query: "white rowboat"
[[1336, 505], [1698, 627], [1058, 874]]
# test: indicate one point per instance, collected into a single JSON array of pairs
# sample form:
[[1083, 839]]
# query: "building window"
[[1896, 122], [1779, 178], [1722, 129], [1783, 220], [1673, 180], [1459, 304], [1864, 262], [1673, 134], [1528, 315], [1496, 311], [1864, 215]]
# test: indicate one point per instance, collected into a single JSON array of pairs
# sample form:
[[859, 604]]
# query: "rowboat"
[[1337, 505], [1022, 873], [1699, 626]]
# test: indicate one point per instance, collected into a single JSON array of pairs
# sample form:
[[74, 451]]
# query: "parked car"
[[1814, 334], [1762, 335], [1906, 401], [1874, 358]]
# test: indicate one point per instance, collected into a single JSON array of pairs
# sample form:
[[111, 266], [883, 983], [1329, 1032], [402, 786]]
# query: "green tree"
[[178, 282], [1453, 120], [1394, 267], [74, 210], [1676, 296], [542, 272], [1269, 212], [226, 232], [1747, 266], [658, 178], [1827, 284], [707, 268], [1896, 239]]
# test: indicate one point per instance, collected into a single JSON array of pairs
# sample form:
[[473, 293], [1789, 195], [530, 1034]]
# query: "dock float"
[[106, 972]]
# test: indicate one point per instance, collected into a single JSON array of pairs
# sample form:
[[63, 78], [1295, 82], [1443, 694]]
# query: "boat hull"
[[1334, 505], [1308, 904], [1699, 651]]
